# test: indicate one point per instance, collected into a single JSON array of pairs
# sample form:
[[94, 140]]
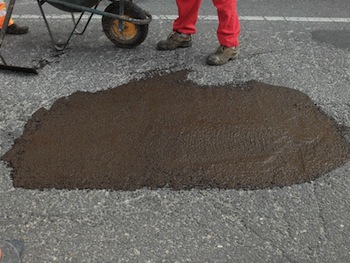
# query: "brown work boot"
[[15, 29], [222, 55], [175, 40]]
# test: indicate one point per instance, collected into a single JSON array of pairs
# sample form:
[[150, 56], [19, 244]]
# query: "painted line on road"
[[214, 18]]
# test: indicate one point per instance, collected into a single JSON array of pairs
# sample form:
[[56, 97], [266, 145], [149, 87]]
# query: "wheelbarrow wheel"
[[130, 35]]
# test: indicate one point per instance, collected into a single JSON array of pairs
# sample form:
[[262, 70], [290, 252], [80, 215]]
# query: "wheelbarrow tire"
[[131, 35]]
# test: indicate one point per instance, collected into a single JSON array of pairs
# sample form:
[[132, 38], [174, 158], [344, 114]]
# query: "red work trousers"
[[229, 28]]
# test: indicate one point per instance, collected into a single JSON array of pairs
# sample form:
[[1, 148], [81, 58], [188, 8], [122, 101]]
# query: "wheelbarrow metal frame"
[[92, 11]]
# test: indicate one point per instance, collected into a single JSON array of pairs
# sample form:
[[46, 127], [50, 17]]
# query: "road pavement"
[[302, 223]]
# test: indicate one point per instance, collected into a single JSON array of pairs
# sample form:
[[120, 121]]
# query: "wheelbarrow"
[[124, 23]]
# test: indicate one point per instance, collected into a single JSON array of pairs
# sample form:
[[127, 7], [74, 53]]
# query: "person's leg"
[[12, 28], [183, 26], [187, 16], [227, 33], [229, 27], [3, 14]]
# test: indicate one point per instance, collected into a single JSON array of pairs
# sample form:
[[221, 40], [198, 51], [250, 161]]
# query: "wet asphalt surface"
[[302, 223]]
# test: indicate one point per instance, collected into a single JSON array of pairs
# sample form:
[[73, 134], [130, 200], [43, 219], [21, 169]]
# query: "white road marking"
[[214, 18]]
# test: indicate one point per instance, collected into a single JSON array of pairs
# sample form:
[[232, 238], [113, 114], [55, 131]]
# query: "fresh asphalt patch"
[[165, 132]]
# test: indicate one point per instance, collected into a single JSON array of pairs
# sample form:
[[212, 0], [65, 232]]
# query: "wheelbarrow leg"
[[86, 25], [62, 46]]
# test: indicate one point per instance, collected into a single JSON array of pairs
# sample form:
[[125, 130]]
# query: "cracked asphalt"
[[302, 223]]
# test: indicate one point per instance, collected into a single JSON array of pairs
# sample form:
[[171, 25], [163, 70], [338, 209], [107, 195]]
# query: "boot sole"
[[211, 63], [182, 45]]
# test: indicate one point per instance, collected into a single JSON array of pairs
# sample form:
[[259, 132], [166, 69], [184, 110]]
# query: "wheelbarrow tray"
[[86, 6], [65, 4]]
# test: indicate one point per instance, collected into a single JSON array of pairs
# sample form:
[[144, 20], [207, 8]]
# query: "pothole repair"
[[165, 131]]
